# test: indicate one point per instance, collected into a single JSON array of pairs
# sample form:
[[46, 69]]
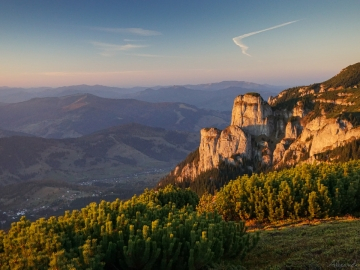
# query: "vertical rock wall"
[[253, 115], [216, 146]]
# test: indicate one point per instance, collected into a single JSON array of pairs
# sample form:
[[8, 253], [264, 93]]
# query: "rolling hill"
[[77, 115], [120, 150]]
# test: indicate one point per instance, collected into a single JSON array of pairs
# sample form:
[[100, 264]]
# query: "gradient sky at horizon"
[[146, 43]]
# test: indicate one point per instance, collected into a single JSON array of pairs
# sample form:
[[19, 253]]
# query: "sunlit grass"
[[320, 244]]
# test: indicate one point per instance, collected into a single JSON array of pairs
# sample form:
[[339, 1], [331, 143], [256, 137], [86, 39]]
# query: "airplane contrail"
[[238, 40]]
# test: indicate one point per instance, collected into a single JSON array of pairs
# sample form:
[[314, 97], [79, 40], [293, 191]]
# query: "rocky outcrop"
[[304, 91], [216, 146], [230, 145], [189, 171], [328, 133], [298, 110], [339, 101], [253, 115], [295, 129], [292, 130], [319, 135], [280, 150]]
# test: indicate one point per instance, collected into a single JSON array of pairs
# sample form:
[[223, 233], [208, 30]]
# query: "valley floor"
[[321, 244]]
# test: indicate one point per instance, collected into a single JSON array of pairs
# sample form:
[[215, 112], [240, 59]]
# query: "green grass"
[[328, 245]]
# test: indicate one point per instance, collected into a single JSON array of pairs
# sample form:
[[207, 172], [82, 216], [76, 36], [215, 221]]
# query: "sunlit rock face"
[[328, 133], [278, 139], [298, 110], [292, 130], [319, 135], [216, 146], [300, 127], [253, 115]]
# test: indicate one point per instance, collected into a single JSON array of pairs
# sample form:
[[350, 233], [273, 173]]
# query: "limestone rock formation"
[[328, 133], [298, 125], [189, 171], [216, 146], [299, 110], [280, 150], [292, 130], [318, 135], [252, 114]]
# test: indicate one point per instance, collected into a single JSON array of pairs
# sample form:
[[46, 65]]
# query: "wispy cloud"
[[108, 49], [244, 48], [133, 31]]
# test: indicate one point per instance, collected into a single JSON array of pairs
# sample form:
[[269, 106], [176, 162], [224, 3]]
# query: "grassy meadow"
[[319, 244]]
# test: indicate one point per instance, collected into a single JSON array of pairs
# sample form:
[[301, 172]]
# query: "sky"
[[147, 43]]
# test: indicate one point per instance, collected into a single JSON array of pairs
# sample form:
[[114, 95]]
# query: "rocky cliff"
[[323, 116], [251, 117], [216, 146], [252, 114], [319, 135], [295, 126]]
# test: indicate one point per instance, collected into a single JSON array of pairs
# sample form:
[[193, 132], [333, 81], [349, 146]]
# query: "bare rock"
[[216, 146], [299, 110], [280, 150], [292, 130], [253, 115], [319, 135]]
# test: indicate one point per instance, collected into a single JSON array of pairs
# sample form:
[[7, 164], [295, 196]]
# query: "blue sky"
[[145, 43]]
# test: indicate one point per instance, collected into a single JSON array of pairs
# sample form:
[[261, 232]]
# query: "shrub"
[[146, 232], [306, 191]]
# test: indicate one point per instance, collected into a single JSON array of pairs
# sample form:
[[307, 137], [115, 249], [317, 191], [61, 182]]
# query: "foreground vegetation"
[[157, 230], [306, 191], [161, 230]]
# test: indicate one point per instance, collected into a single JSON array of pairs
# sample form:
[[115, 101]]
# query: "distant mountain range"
[[115, 151], [78, 115], [227, 84], [220, 100], [13, 95], [216, 96]]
